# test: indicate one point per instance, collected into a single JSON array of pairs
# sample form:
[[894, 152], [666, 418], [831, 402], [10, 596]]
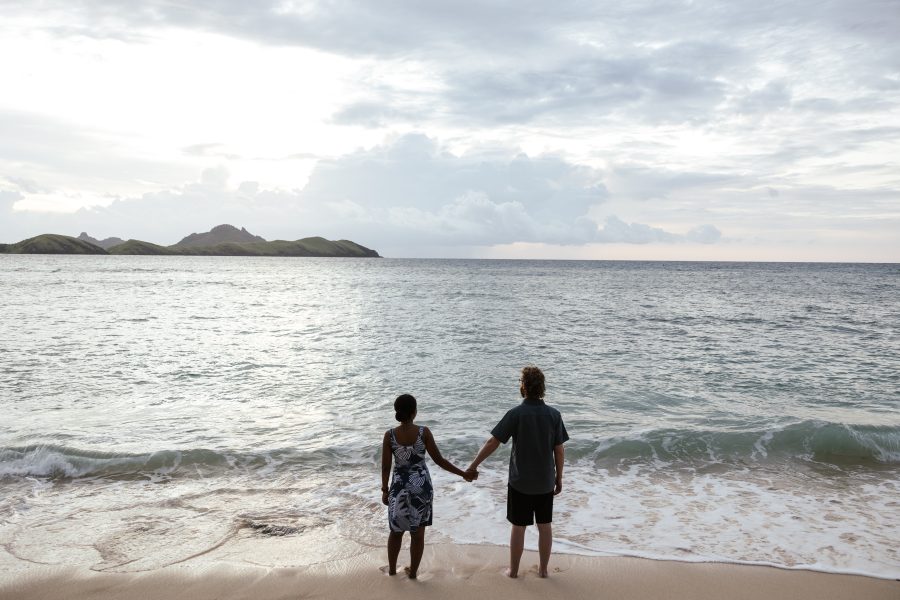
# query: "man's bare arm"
[[559, 456], [486, 450]]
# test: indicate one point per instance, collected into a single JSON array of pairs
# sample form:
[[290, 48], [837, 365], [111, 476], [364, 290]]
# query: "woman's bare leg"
[[395, 540], [416, 548]]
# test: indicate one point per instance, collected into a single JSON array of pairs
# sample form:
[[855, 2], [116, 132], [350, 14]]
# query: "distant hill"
[[253, 246], [50, 243], [221, 234], [313, 246], [133, 247], [105, 244]]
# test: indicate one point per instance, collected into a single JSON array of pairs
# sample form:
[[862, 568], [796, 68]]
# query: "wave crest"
[[810, 440]]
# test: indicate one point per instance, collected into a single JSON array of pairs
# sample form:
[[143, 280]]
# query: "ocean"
[[160, 410]]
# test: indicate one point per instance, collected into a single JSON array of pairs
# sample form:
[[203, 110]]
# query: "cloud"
[[642, 182], [373, 114], [646, 122], [396, 28], [7, 199], [414, 171], [575, 63], [774, 95], [571, 84], [209, 150], [617, 231], [56, 152], [704, 234], [407, 193]]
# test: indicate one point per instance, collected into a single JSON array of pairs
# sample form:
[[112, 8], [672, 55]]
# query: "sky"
[[639, 130]]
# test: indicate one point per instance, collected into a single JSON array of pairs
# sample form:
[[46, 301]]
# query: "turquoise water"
[[738, 412]]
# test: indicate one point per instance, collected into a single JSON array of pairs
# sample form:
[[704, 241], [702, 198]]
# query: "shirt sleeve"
[[505, 428], [561, 435]]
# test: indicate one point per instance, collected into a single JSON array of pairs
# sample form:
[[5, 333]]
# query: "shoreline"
[[825, 570], [447, 571]]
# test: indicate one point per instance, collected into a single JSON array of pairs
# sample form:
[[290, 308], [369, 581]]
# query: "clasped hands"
[[470, 474]]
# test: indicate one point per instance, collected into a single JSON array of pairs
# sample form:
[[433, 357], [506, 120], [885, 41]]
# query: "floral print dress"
[[410, 494]]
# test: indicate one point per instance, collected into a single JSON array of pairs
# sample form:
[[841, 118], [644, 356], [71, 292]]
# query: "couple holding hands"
[[535, 473]]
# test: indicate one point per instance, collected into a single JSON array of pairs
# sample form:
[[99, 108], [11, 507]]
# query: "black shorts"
[[525, 509]]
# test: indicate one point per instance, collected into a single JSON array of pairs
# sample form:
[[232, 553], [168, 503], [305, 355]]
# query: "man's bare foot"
[[510, 573], [409, 573], [387, 570], [542, 573]]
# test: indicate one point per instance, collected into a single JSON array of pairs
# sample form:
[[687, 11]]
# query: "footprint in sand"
[[536, 571]]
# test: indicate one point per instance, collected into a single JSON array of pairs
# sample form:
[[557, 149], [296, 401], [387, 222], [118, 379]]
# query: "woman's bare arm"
[[386, 457], [436, 456]]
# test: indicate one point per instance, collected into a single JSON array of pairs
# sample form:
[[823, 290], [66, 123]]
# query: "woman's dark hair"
[[404, 407], [532, 382]]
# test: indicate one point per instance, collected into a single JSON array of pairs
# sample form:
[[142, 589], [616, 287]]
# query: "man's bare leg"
[[545, 542], [516, 546]]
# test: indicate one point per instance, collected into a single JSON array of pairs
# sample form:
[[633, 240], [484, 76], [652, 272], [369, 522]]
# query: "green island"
[[223, 240]]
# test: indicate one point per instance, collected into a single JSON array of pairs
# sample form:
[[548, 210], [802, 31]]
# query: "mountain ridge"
[[106, 244], [220, 234], [253, 245]]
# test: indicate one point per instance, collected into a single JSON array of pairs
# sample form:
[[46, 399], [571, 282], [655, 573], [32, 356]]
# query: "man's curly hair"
[[532, 382]]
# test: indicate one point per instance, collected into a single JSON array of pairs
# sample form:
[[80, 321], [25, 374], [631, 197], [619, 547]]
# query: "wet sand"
[[448, 572]]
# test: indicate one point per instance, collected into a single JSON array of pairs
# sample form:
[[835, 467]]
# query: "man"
[[535, 466]]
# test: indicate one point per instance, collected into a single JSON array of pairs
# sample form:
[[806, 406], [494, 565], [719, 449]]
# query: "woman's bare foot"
[[409, 573], [387, 570], [509, 573], [542, 573]]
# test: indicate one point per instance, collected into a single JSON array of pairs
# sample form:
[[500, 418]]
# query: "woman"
[[410, 494]]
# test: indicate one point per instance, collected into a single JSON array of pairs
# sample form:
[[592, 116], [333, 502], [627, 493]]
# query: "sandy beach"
[[450, 571]]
